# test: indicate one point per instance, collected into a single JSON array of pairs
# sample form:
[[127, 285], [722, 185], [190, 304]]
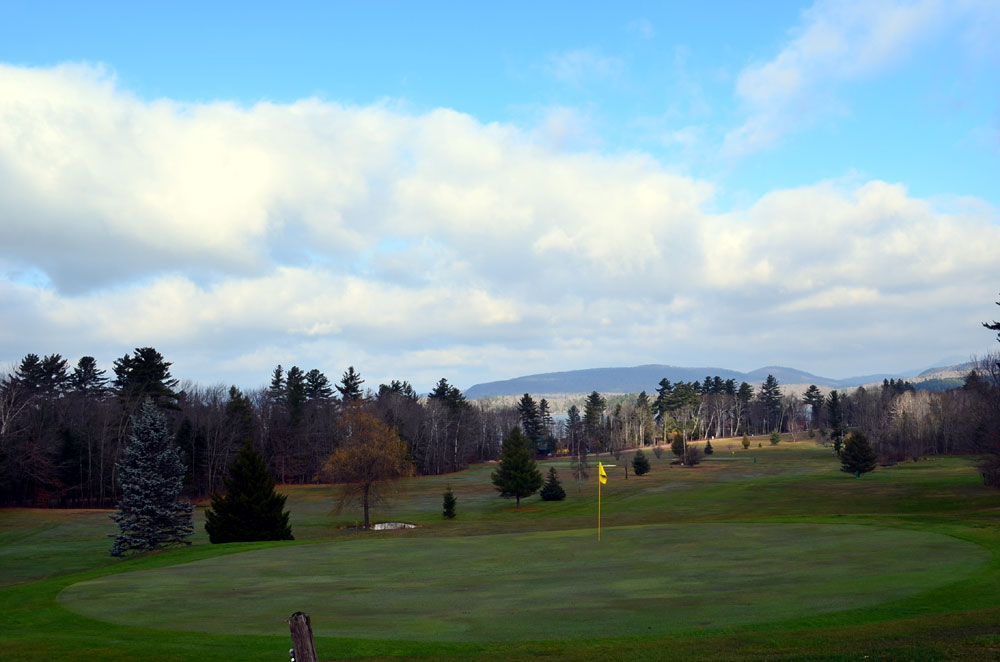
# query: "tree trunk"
[[302, 637]]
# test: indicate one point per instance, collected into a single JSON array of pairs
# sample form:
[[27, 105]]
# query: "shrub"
[[640, 464], [449, 504], [552, 490], [746, 442], [658, 451], [775, 438]]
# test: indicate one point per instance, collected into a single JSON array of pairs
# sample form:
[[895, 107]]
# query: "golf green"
[[639, 580]]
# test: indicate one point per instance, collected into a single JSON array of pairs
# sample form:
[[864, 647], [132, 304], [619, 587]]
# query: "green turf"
[[549, 585], [786, 558]]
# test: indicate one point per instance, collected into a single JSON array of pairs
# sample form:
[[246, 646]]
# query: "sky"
[[479, 191]]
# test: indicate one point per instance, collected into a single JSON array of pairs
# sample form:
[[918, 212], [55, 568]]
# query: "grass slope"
[[785, 558]]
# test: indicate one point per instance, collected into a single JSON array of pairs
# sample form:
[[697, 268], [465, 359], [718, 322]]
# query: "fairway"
[[549, 585]]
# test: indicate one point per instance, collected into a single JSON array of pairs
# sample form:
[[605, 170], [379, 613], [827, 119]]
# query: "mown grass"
[[907, 559]]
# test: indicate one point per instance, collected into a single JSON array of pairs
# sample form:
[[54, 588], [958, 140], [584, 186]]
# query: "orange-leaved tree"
[[370, 457]]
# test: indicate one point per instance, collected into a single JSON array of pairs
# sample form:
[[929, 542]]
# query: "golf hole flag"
[[602, 478]]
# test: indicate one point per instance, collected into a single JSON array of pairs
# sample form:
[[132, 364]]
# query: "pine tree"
[[350, 386], [593, 417], [517, 476], [552, 490], [317, 386], [145, 375], [814, 398], [858, 457], [250, 509], [745, 442], [449, 504], [87, 378], [531, 421], [775, 438], [708, 448], [770, 397], [835, 407], [151, 477], [640, 463]]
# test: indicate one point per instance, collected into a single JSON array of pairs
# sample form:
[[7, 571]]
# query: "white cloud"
[[837, 41], [421, 246]]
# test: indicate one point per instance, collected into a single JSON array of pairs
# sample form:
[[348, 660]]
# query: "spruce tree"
[[640, 463], [250, 509], [517, 476], [708, 448], [151, 476], [552, 490], [449, 504], [858, 457]]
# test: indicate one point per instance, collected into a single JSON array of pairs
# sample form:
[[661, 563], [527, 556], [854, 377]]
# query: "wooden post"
[[302, 637]]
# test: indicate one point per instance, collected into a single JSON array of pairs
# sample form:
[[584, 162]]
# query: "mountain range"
[[646, 378]]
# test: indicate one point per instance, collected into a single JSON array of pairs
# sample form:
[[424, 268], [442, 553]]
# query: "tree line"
[[63, 429]]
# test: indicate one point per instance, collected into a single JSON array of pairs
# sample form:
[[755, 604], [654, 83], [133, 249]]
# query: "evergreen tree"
[[87, 378], [577, 446], [277, 387], [42, 376], [547, 423], [640, 463], [858, 457], [708, 448], [814, 398], [449, 504], [151, 477], [835, 409], [448, 395], [145, 375], [531, 421], [552, 490], [775, 438], [664, 391], [295, 393], [517, 476], [746, 442], [350, 386], [317, 386], [677, 445], [593, 417], [250, 509], [770, 398]]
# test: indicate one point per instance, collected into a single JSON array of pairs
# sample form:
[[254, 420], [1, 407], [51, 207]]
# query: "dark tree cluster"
[[63, 427]]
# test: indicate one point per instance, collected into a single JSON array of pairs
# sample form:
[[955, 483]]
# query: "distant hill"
[[646, 377]]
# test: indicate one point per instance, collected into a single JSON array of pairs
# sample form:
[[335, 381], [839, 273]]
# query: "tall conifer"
[[151, 476]]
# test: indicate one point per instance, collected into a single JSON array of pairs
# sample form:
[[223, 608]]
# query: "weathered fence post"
[[302, 637]]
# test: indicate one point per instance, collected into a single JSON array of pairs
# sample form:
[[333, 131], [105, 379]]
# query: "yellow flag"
[[603, 477]]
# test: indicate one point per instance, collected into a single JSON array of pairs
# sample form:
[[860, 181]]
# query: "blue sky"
[[607, 185]]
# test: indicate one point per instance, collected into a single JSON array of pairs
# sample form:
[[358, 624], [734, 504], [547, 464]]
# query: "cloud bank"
[[425, 245]]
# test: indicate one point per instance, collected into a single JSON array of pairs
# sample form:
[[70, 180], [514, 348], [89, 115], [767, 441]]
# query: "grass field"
[[782, 558]]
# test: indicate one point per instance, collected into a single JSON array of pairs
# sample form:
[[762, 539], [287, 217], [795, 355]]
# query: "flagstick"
[[598, 509]]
